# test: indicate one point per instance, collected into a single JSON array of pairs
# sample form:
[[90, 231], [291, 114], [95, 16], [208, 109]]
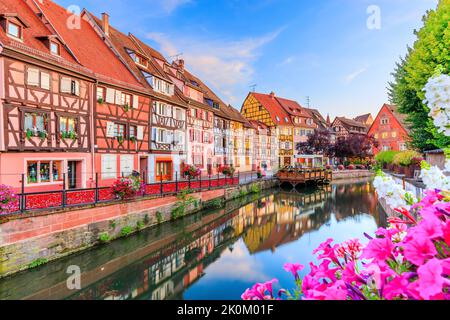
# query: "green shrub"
[[214, 204], [104, 237], [386, 157], [159, 217], [255, 188], [38, 262], [126, 231], [140, 225], [405, 158]]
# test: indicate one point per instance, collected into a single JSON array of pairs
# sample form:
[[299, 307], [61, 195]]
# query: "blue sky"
[[296, 48]]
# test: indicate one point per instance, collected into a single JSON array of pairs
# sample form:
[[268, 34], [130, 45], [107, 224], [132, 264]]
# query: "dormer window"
[[137, 58], [54, 48], [14, 30]]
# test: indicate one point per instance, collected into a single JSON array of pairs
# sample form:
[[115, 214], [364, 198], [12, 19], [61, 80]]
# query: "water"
[[212, 255]]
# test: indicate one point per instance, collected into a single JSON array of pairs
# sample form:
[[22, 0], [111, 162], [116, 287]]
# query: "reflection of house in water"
[[290, 217], [265, 224]]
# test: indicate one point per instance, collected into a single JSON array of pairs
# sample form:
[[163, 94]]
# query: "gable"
[[252, 109]]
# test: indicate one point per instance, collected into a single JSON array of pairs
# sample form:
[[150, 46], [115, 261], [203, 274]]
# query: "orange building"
[[390, 130]]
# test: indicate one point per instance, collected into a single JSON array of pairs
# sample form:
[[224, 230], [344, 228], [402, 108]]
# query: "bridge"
[[305, 176]]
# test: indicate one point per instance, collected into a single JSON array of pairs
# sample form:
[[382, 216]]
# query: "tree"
[[429, 54], [355, 146], [318, 142]]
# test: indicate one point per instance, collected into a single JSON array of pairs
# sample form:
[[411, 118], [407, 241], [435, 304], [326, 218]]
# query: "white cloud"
[[352, 76], [171, 5], [222, 63], [287, 61]]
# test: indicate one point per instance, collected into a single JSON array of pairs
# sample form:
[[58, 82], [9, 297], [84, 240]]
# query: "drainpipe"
[[92, 127]]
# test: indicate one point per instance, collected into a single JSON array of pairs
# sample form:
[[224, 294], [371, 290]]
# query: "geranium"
[[190, 171], [123, 188], [227, 170], [8, 199]]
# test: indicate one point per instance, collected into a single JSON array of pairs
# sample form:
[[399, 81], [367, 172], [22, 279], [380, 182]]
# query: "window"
[[109, 166], [386, 148], [384, 121], [179, 114], [38, 78], [309, 122], [126, 165], [54, 48], [384, 135], [133, 132], [67, 125], [394, 134], [14, 30], [278, 118], [216, 105], [376, 135], [403, 146], [100, 94], [44, 171], [125, 99], [119, 130], [35, 122], [139, 59], [70, 86]]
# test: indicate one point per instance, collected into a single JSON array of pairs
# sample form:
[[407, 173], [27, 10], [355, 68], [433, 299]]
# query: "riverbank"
[[33, 241], [352, 174]]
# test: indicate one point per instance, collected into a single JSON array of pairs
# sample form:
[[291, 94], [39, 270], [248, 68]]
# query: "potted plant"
[[43, 135], [133, 139], [126, 107], [190, 172], [123, 188], [73, 135], [100, 100], [227, 170], [29, 134], [120, 139]]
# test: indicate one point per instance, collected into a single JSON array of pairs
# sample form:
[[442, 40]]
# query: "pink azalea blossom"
[[418, 249]]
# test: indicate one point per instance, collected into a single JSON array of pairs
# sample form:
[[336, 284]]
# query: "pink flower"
[[379, 249], [293, 268], [349, 274], [328, 252], [323, 271], [446, 231], [350, 249], [396, 288], [259, 291], [429, 227], [418, 249], [336, 291], [430, 282]]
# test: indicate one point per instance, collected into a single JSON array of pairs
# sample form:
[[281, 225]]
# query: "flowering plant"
[[190, 171], [398, 263], [124, 188], [437, 97], [8, 199], [227, 170], [341, 167]]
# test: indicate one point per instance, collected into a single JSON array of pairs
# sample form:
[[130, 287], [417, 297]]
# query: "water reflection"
[[210, 256]]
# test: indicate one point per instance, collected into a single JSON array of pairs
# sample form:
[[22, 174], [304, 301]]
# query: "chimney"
[[272, 94], [181, 64], [105, 23]]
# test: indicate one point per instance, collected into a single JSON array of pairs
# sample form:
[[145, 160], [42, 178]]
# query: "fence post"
[[144, 182], [96, 188], [218, 179], [161, 185], [64, 191], [189, 183], [201, 182], [176, 182], [209, 177], [23, 201], [239, 177]]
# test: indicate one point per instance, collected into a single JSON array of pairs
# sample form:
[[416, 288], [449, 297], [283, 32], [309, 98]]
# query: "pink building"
[[45, 105]]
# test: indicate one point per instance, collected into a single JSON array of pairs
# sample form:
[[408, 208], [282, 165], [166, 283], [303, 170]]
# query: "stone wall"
[[43, 238], [352, 174]]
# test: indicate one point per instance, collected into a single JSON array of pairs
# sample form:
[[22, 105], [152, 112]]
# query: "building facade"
[[344, 127], [390, 130]]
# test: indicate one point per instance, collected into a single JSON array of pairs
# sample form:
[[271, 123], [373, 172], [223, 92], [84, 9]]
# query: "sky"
[[339, 53]]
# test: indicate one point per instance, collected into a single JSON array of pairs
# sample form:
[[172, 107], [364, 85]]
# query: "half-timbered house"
[[45, 104], [122, 105], [167, 153]]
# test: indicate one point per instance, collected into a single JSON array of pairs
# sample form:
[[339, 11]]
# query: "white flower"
[[437, 97], [393, 193], [434, 178], [447, 165]]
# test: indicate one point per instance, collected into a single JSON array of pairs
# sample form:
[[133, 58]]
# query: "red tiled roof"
[[277, 113], [88, 47], [33, 34], [363, 118]]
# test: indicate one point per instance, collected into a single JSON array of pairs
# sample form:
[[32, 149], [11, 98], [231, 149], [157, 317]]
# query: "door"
[[72, 174], [143, 166], [164, 170], [287, 161]]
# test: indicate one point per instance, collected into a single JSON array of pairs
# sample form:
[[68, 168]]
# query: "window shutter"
[[33, 77], [119, 97], [110, 129], [45, 81], [140, 133], [66, 84], [110, 94], [171, 90], [77, 88], [154, 134], [135, 102], [191, 134]]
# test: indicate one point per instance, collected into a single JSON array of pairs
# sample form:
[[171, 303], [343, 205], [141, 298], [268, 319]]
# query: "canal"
[[211, 255]]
